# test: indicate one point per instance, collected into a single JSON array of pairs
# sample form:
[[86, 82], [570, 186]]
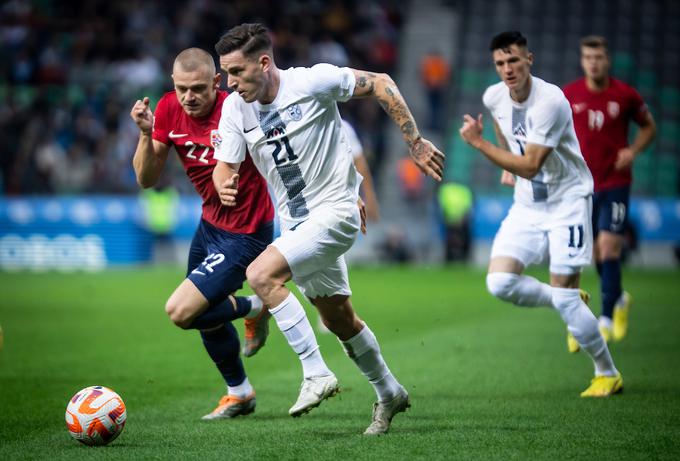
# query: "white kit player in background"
[[289, 122], [552, 201]]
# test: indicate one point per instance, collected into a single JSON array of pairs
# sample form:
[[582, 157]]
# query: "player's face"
[[245, 76], [595, 63], [196, 90], [513, 65]]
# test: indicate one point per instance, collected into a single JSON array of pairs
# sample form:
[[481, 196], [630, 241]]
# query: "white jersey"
[[353, 139], [296, 142], [543, 119]]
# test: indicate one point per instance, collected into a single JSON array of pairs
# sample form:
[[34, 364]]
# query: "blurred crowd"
[[70, 72]]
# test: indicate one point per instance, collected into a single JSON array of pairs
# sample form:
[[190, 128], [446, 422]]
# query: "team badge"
[[294, 112], [215, 139], [579, 107], [613, 109]]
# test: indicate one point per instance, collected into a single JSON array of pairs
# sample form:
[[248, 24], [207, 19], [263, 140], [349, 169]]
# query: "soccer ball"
[[95, 415]]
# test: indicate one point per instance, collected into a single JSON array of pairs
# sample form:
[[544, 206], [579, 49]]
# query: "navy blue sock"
[[223, 347], [598, 266], [223, 312], [610, 282]]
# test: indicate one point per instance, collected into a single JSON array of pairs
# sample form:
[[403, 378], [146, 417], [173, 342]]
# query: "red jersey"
[[194, 140], [601, 120]]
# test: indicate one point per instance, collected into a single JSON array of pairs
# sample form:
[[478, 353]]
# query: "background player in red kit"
[[227, 239], [602, 109]]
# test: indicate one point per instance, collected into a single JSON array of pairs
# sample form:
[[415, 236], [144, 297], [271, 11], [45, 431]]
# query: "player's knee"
[[502, 285], [179, 315], [259, 278]]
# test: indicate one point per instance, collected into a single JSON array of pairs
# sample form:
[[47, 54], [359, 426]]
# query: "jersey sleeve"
[[638, 108], [486, 99], [230, 146], [548, 122], [329, 81], [161, 129]]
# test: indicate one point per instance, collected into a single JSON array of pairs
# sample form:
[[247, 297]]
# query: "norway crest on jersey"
[[215, 139], [613, 109], [294, 112]]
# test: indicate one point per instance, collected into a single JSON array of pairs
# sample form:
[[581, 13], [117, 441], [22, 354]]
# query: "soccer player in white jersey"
[[552, 201], [289, 122]]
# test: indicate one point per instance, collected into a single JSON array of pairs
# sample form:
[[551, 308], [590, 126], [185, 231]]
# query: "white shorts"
[[314, 249], [561, 231]]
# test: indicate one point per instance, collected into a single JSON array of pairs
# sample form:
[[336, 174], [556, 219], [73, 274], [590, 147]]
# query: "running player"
[[227, 239], [603, 108], [289, 121], [552, 201]]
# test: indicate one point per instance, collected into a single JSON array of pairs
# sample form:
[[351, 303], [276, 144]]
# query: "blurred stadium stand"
[[70, 71]]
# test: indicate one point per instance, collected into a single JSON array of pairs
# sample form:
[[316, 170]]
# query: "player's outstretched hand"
[[471, 131], [428, 158], [142, 115], [362, 213], [228, 191]]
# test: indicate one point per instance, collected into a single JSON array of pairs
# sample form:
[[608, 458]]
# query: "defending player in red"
[[603, 108]]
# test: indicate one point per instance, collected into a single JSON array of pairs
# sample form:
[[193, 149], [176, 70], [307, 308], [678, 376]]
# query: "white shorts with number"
[[314, 249], [559, 231]]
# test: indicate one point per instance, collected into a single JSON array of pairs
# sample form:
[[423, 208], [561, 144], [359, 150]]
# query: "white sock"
[[255, 307], [584, 327], [520, 290], [293, 323], [364, 350], [605, 322], [241, 391]]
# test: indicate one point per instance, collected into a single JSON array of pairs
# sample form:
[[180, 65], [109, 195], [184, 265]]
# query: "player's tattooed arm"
[[381, 87]]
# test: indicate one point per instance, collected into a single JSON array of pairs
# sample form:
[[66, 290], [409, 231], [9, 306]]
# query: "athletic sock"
[[583, 325], [364, 350], [220, 313], [242, 390], [293, 323], [223, 348], [611, 285], [521, 290]]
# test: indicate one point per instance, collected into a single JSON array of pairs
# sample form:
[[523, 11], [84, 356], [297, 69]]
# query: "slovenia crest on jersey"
[[294, 112], [613, 109], [215, 139]]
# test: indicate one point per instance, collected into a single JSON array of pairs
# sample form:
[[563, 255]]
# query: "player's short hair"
[[595, 41], [503, 40], [251, 39], [193, 59]]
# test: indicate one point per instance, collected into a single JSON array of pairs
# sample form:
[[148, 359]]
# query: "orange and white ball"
[[95, 415]]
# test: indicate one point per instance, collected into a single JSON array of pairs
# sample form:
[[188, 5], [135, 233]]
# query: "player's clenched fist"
[[142, 115], [471, 131], [228, 191]]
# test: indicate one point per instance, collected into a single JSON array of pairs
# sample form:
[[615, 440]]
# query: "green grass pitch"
[[487, 380]]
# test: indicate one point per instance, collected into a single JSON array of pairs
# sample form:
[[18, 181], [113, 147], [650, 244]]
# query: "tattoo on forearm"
[[397, 110], [408, 128], [368, 80]]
